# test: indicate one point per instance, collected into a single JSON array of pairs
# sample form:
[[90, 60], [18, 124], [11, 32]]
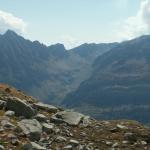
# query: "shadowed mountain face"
[[119, 85], [48, 73]]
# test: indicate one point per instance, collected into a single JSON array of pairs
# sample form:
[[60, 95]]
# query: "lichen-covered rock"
[[32, 128], [20, 107]]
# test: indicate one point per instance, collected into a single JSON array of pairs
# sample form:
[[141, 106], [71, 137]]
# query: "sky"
[[73, 22]]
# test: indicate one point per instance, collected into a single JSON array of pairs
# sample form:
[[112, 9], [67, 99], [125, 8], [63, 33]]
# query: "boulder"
[[19, 107], [46, 107], [32, 128], [69, 117]]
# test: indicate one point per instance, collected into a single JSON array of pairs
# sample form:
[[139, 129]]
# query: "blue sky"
[[73, 22]]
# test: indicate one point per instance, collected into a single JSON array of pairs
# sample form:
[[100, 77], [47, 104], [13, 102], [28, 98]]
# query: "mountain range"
[[119, 85], [46, 72], [107, 80]]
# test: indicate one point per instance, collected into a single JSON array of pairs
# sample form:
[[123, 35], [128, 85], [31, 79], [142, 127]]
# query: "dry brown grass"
[[7, 90]]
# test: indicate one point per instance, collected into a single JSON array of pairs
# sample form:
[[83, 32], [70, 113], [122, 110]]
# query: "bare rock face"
[[31, 127], [20, 107]]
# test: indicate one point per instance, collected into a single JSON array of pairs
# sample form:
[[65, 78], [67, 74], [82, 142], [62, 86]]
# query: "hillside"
[[26, 124], [119, 85], [47, 72]]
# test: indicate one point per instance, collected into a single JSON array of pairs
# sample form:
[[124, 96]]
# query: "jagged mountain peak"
[[10, 33], [34, 67], [58, 46]]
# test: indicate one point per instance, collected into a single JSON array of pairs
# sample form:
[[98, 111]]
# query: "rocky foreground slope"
[[26, 124]]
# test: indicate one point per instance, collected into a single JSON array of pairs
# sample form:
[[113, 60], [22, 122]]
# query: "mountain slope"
[[27, 124], [119, 84], [48, 73]]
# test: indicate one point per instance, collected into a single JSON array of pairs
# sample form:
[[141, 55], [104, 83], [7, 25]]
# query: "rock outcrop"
[[31, 128], [28, 125], [20, 107]]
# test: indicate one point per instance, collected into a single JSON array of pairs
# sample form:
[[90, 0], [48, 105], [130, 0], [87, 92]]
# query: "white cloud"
[[9, 21], [136, 25], [69, 41]]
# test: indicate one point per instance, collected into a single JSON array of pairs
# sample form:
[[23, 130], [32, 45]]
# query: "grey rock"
[[86, 121], [74, 142], [113, 130], [46, 107], [115, 145], [121, 126], [48, 128], [7, 125], [125, 142], [32, 128], [57, 130], [9, 113], [60, 139], [41, 118], [2, 104], [131, 137], [69, 117], [81, 147], [109, 143], [68, 147], [2, 147], [14, 139], [32, 146], [19, 107], [143, 142]]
